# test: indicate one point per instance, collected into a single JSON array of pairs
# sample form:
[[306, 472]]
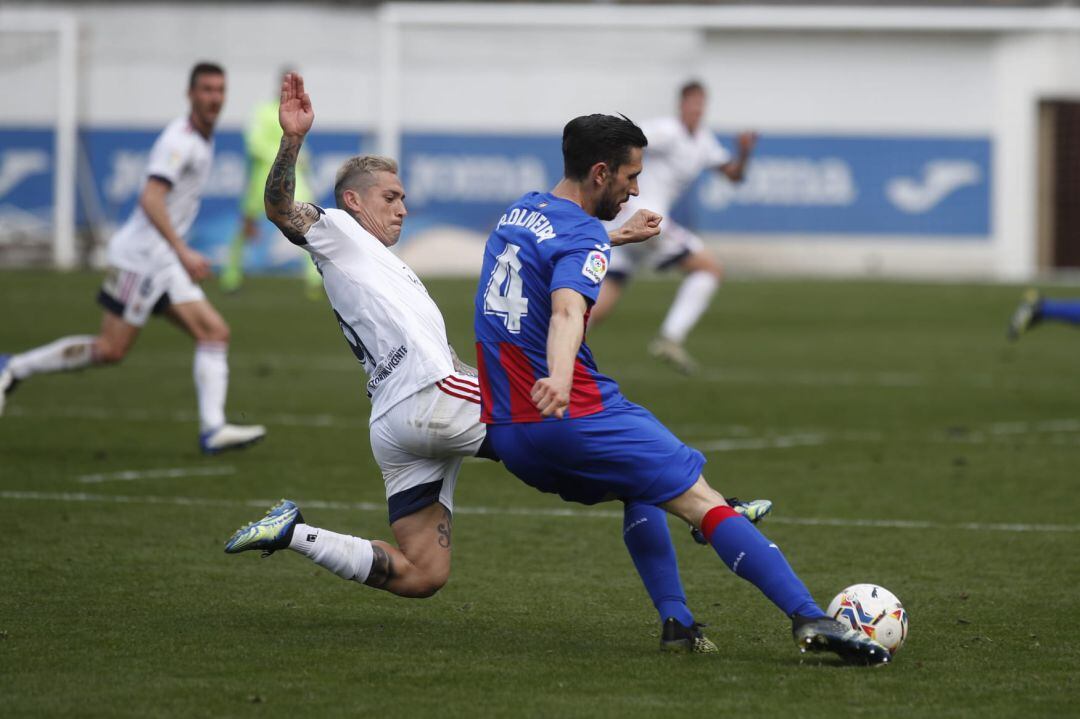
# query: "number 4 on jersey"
[[503, 296]]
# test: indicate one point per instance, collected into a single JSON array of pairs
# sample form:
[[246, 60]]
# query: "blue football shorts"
[[622, 452]]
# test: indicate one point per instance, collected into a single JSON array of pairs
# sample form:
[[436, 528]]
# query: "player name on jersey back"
[[532, 220], [541, 244]]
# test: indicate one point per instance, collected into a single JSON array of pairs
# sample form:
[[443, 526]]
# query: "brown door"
[[1059, 180]]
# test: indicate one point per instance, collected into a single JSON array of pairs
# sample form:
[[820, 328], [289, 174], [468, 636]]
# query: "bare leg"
[[109, 346], [692, 505], [115, 339], [702, 261], [420, 565], [200, 320]]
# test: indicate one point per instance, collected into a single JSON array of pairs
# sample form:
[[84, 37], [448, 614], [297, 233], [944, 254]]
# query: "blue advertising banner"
[[869, 186], [468, 180], [26, 180], [866, 186], [117, 161], [851, 185]]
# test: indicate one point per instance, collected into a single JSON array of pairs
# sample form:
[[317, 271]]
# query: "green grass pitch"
[[902, 440]]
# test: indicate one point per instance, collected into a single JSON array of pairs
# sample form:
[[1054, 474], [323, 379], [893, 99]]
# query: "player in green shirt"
[[262, 139]]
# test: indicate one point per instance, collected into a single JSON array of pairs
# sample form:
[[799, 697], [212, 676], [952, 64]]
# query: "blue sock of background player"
[[1063, 310], [750, 554], [648, 539]]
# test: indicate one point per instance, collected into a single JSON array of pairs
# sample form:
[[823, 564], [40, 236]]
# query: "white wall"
[[134, 60]]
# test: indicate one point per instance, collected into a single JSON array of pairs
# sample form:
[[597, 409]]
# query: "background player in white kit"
[[425, 403], [152, 270], [679, 149]]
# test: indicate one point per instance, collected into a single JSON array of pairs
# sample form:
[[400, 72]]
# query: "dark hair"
[[590, 139], [204, 68], [690, 87]]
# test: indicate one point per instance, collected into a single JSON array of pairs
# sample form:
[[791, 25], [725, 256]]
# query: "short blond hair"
[[358, 173]]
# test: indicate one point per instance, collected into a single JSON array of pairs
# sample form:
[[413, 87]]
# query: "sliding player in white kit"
[[425, 403], [679, 149], [153, 270]]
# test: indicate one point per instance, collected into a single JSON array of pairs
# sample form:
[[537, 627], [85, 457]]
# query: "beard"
[[608, 207]]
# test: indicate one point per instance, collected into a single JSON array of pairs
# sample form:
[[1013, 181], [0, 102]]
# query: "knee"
[[704, 262], [710, 266], [216, 332], [428, 585], [109, 352]]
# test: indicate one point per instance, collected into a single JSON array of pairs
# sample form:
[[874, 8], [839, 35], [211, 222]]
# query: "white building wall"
[[134, 60]]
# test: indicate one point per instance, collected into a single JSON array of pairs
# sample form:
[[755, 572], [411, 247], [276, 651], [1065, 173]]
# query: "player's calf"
[[374, 563], [63, 355], [393, 571]]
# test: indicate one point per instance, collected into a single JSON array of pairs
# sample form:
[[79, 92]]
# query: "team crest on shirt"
[[596, 265]]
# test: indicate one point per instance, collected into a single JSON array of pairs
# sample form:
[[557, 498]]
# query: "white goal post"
[[64, 28]]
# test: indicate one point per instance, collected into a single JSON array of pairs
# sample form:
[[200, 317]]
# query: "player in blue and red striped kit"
[[563, 427]]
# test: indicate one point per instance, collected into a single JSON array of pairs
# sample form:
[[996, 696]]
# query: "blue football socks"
[[645, 531], [749, 554], [1062, 310]]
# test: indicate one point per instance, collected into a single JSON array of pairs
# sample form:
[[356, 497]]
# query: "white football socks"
[[63, 355], [346, 556], [690, 303], [211, 383]]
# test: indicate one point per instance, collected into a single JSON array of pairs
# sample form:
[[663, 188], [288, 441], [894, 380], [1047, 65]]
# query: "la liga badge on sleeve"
[[596, 265]]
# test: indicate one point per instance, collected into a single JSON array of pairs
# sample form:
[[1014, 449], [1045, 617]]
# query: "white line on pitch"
[[740, 440], [527, 512], [186, 417], [133, 474], [741, 443]]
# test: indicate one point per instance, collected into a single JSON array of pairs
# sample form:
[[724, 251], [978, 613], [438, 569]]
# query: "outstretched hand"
[[295, 112]]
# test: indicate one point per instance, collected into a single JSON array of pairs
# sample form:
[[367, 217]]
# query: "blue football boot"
[[7, 380], [269, 534]]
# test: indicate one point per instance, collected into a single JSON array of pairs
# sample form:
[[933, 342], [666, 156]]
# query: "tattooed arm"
[[296, 116]]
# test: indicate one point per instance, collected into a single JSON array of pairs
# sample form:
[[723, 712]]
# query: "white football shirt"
[[391, 323], [673, 160], [183, 157]]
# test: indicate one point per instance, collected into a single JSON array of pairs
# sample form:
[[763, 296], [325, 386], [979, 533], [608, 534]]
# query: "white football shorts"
[[674, 243], [132, 296], [421, 441]]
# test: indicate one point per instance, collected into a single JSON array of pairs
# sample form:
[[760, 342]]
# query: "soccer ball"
[[873, 610]]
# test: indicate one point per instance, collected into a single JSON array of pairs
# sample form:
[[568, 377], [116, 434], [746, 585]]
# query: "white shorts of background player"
[[133, 295], [673, 244]]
